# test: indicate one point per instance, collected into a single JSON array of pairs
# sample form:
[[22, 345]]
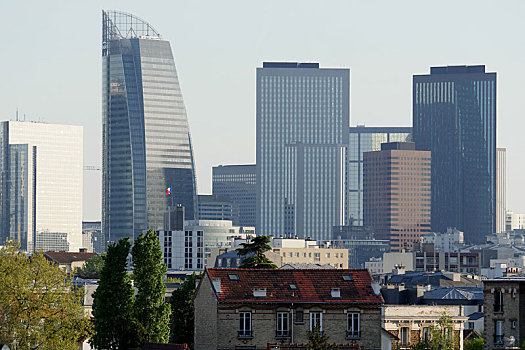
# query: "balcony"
[[350, 334], [245, 334]]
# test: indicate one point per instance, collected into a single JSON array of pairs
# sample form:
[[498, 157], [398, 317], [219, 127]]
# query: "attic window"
[[259, 292], [293, 287], [347, 278], [233, 276], [336, 293]]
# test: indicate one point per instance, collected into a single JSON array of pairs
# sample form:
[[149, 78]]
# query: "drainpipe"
[[291, 325]]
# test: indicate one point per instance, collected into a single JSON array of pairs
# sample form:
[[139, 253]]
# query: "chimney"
[[217, 285]]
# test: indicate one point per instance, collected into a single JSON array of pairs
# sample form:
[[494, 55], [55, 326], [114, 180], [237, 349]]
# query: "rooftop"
[[68, 257], [293, 285], [290, 65]]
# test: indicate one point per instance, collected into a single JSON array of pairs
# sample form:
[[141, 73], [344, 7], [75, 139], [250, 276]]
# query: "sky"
[[50, 65]]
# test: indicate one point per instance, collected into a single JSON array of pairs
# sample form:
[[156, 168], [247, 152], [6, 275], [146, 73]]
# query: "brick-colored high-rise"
[[396, 193]]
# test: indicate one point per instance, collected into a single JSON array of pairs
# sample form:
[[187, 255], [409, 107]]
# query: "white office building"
[[41, 185]]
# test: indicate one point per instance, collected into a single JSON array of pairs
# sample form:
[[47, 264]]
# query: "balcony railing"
[[351, 334], [245, 333]]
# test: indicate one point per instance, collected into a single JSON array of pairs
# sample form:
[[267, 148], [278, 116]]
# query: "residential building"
[[454, 117], [363, 139], [396, 184], [449, 241], [302, 137], [213, 207], [250, 308], [504, 312], [41, 185], [147, 160], [501, 188], [413, 323], [69, 260], [514, 221], [374, 266], [239, 183]]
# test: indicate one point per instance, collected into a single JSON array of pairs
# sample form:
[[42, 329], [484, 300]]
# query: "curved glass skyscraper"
[[145, 138]]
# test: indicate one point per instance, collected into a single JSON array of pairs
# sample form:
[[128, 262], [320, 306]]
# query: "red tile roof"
[[68, 257], [313, 286]]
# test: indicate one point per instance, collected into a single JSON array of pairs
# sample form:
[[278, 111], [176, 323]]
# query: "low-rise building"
[[69, 260], [504, 312], [375, 266], [251, 308], [450, 241], [413, 323]]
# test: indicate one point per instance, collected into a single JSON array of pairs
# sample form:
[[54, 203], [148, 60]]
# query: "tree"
[[183, 317], [39, 307], [474, 344], [113, 302], [253, 254], [92, 267], [151, 311], [441, 336], [317, 340]]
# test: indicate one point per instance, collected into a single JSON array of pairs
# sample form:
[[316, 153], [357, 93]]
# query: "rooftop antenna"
[[16, 113]]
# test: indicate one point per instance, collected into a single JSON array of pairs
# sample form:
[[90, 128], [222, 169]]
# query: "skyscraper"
[[302, 137], [396, 183], [454, 117], [366, 139], [41, 185], [146, 139], [238, 182], [501, 188]]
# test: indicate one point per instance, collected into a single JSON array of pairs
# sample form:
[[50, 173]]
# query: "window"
[[316, 318], [233, 276], [426, 333], [404, 335], [352, 330], [299, 316], [513, 324], [282, 324], [245, 324], [498, 336], [498, 301]]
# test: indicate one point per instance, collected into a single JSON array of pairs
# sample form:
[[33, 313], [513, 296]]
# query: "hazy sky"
[[50, 65]]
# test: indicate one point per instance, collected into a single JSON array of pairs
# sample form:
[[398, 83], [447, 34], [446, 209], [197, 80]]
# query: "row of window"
[[283, 323]]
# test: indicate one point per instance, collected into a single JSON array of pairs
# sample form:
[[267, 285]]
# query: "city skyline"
[[380, 54]]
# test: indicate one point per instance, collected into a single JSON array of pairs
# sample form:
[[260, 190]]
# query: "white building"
[[375, 266], [449, 241], [41, 185], [514, 221]]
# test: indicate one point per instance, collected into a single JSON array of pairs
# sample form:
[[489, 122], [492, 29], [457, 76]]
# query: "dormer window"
[[336, 293], [259, 292]]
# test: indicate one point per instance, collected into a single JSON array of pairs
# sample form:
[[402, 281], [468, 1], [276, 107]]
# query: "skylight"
[[348, 278], [293, 287], [233, 276]]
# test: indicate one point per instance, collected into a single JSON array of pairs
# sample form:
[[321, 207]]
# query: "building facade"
[[213, 207], [396, 183], [41, 185], [302, 137], [514, 221], [251, 308], [146, 141], [239, 183], [454, 117], [363, 139], [501, 188], [183, 250]]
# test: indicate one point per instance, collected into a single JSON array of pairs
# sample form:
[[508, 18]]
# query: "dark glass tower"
[[454, 112], [146, 138]]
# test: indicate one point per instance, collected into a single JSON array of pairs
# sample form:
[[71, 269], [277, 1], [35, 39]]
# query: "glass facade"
[[238, 183], [41, 185], [302, 137], [146, 138], [365, 139], [454, 111]]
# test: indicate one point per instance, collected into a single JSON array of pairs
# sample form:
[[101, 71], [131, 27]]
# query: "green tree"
[[317, 340], [182, 317], [92, 268], [253, 254], [151, 311], [39, 308], [474, 344], [113, 302], [442, 336]]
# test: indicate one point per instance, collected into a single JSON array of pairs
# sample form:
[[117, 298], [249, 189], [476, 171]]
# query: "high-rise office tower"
[[366, 139], [238, 183], [501, 188], [145, 137], [396, 183], [41, 185], [213, 207], [302, 136], [454, 117]]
